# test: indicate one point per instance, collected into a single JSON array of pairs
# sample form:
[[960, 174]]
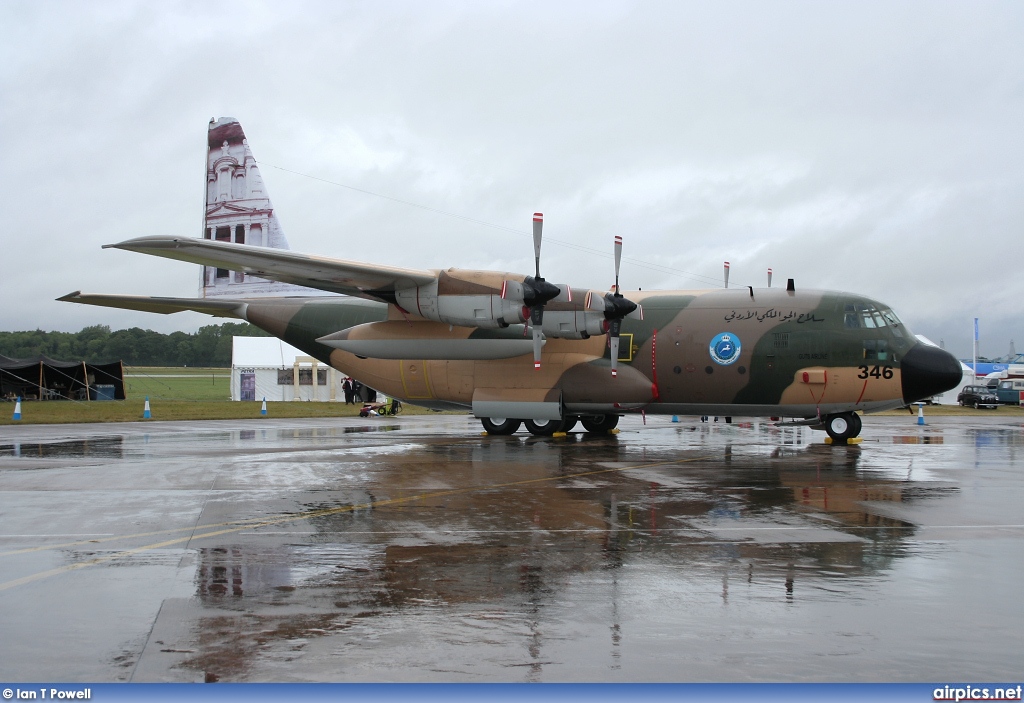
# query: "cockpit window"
[[867, 316], [875, 349]]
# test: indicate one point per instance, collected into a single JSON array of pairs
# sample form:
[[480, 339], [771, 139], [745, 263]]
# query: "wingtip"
[[70, 296]]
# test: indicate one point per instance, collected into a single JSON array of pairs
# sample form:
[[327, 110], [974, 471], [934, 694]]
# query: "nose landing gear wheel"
[[843, 426], [500, 425]]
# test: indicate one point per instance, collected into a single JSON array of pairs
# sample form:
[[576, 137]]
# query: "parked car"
[[1009, 390], [978, 396]]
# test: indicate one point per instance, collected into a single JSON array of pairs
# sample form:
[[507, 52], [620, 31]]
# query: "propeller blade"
[[538, 226], [538, 341], [615, 355], [637, 314], [618, 260]]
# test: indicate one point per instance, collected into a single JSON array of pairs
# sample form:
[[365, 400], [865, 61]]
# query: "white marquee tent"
[[266, 367]]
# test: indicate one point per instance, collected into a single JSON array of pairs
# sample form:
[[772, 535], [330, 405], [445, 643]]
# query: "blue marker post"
[[920, 413], [17, 409], [675, 418], [146, 415], [263, 410]]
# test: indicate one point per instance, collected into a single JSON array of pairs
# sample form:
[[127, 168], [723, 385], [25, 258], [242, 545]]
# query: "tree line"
[[210, 346]]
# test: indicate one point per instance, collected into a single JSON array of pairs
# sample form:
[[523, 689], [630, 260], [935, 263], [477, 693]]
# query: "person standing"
[[357, 391], [346, 387]]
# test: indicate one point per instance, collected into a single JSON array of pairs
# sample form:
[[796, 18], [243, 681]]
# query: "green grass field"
[[174, 394], [175, 383]]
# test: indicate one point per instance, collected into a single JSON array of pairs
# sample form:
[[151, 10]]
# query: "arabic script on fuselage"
[[773, 315]]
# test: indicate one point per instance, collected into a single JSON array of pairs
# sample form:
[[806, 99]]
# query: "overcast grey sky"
[[867, 147]]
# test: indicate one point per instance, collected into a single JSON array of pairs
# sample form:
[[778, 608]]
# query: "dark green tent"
[[43, 378]]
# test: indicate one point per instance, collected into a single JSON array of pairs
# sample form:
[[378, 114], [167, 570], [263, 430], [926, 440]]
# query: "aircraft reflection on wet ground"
[[300, 551]]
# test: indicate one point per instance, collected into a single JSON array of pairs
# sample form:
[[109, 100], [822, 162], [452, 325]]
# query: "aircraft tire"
[[843, 426], [600, 424], [500, 425], [543, 428], [858, 424]]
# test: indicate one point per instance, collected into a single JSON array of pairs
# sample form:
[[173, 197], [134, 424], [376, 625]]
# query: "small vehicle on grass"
[[977, 397], [1009, 390]]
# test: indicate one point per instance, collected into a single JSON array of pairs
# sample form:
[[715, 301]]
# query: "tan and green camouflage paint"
[[783, 335]]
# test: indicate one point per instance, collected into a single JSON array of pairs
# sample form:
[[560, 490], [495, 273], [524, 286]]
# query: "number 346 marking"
[[875, 372]]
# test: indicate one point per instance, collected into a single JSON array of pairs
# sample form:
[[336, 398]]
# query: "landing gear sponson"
[[594, 424]]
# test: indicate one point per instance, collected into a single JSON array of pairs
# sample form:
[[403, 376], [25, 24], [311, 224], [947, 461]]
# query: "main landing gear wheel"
[[599, 424], [500, 425], [543, 428], [843, 426]]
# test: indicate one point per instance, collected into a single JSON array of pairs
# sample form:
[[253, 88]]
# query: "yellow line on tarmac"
[[255, 523]]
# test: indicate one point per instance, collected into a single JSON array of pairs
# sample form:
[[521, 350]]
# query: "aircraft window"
[[875, 349], [879, 320], [869, 321], [891, 317], [852, 321]]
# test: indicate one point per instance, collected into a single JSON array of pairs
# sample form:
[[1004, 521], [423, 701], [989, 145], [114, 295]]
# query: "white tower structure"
[[238, 210]]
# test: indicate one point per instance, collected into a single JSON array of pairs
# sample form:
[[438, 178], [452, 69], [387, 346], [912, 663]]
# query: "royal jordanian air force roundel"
[[725, 348]]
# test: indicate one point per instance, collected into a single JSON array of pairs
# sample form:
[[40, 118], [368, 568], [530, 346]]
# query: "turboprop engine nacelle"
[[492, 300], [472, 308]]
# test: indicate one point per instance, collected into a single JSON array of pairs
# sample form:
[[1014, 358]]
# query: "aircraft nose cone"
[[926, 371]]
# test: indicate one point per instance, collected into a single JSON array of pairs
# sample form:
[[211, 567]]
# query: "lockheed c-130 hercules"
[[520, 350]]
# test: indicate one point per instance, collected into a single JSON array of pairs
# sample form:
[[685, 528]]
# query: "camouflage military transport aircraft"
[[519, 350]]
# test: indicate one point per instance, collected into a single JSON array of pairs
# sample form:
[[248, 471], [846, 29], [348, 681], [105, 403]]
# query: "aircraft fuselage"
[[733, 352]]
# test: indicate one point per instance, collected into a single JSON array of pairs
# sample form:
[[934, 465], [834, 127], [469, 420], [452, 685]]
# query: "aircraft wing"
[[164, 306], [334, 275]]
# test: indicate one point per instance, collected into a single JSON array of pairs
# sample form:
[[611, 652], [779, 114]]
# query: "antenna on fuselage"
[[769, 278], [726, 274]]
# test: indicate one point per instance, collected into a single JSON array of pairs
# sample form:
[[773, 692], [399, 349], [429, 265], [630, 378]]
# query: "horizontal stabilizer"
[[323, 273], [164, 306]]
